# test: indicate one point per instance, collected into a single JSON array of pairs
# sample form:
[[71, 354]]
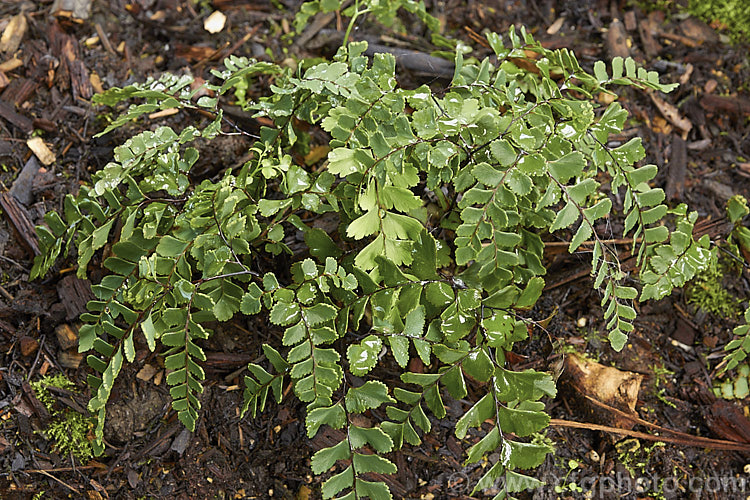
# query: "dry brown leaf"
[[660, 125], [555, 27], [605, 384], [146, 373], [671, 113]]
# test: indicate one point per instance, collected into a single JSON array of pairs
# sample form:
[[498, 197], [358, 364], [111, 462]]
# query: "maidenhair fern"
[[509, 151]]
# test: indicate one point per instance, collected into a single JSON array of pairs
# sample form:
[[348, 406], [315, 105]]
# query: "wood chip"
[[40, 149], [20, 90], [96, 83], [722, 191], [13, 34], [68, 359], [67, 336], [66, 48], [11, 64]]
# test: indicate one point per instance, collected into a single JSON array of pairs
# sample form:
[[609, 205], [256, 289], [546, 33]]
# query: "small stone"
[[28, 345], [215, 22], [582, 322], [181, 442]]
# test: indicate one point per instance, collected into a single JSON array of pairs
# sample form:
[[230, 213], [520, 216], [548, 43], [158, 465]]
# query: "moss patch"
[[68, 430]]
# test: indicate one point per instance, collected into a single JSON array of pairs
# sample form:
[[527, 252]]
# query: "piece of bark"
[[725, 104], [65, 48], [699, 145], [147, 372], [8, 330], [684, 40], [8, 114], [80, 79], [677, 167], [34, 403], [4, 81], [13, 34], [46, 125], [74, 294], [617, 40], [20, 221], [21, 188], [19, 91], [728, 421], [77, 402]]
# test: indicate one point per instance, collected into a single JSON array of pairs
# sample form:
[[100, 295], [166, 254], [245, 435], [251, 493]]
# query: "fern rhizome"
[[513, 148]]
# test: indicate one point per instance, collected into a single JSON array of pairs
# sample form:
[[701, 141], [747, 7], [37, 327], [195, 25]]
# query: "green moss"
[[42, 393], [708, 292], [732, 13], [68, 430]]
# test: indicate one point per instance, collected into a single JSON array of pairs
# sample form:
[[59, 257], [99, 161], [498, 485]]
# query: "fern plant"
[[509, 151]]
